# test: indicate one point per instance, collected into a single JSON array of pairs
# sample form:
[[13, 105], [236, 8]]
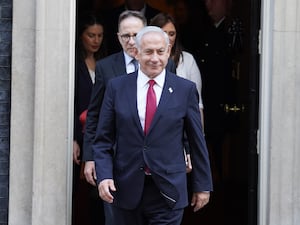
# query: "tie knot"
[[151, 82]]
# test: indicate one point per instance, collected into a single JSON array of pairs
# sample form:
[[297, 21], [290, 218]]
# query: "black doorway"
[[234, 201]]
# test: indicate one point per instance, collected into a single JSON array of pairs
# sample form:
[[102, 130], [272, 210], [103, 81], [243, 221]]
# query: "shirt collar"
[[159, 79], [127, 58]]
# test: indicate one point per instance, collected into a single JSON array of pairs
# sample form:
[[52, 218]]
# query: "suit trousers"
[[109, 218], [152, 209]]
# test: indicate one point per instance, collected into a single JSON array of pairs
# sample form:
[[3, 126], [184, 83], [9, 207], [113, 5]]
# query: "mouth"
[[132, 48], [155, 66]]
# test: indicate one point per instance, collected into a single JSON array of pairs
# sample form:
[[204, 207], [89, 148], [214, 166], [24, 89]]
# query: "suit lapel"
[[119, 66], [167, 92], [132, 99]]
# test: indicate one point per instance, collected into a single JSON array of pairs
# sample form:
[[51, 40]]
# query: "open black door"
[[234, 200], [253, 112]]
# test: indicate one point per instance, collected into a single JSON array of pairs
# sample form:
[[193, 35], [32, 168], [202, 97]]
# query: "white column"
[[22, 112], [285, 125], [280, 106], [42, 112]]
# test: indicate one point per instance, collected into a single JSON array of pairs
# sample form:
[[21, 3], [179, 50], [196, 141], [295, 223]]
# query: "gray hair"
[[148, 29], [132, 13]]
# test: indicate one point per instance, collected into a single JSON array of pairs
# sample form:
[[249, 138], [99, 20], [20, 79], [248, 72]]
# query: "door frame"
[[265, 80]]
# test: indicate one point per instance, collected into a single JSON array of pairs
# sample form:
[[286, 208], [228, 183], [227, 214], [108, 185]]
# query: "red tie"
[[150, 105], [150, 111]]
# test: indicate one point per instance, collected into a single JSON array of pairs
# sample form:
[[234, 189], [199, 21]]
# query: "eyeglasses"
[[126, 37]]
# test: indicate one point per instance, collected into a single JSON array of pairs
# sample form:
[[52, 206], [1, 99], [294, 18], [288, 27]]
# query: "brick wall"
[[5, 82]]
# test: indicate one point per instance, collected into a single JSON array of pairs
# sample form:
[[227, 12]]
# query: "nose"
[[131, 40], [154, 56], [97, 40]]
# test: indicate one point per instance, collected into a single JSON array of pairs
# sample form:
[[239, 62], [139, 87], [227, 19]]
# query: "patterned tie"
[[150, 106], [135, 63]]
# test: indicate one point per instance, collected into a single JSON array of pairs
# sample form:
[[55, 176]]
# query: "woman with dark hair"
[[87, 206]]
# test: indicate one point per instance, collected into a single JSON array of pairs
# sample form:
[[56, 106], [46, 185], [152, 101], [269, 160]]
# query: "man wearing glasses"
[[123, 62], [112, 16]]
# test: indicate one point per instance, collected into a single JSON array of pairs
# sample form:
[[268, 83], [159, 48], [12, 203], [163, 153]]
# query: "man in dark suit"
[[113, 16], [140, 164], [114, 65]]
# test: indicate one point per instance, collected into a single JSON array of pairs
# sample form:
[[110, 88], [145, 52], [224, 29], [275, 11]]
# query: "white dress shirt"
[[142, 88], [92, 75], [128, 62]]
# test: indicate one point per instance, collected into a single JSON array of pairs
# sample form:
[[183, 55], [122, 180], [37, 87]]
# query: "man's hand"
[[76, 152], [199, 200], [90, 172], [105, 187]]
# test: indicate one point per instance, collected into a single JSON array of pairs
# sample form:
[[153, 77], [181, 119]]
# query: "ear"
[[119, 38], [169, 50], [137, 56]]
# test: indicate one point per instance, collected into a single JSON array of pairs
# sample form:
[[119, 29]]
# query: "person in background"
[[213, 52], [87, 206], [186, 65], [180, 13], [190, 15], [113, 15], [140, 164], [130, 22]]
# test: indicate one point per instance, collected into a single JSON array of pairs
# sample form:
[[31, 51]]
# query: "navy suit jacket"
[[121, 150], [106, 68]]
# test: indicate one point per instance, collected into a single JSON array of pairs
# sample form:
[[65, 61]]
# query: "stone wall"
[[42, 96]]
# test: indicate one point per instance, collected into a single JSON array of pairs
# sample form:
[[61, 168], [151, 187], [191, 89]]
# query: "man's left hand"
[[199, 200]]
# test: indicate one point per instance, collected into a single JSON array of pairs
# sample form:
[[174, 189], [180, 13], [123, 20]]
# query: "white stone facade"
[[42, 112]]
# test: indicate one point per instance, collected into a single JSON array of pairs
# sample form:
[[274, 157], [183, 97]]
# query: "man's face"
[[128, 29], [153, 54], [217, 9]]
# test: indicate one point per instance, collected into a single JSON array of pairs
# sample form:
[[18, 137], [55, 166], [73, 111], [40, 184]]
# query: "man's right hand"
[[105, 188], [90, 172]]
